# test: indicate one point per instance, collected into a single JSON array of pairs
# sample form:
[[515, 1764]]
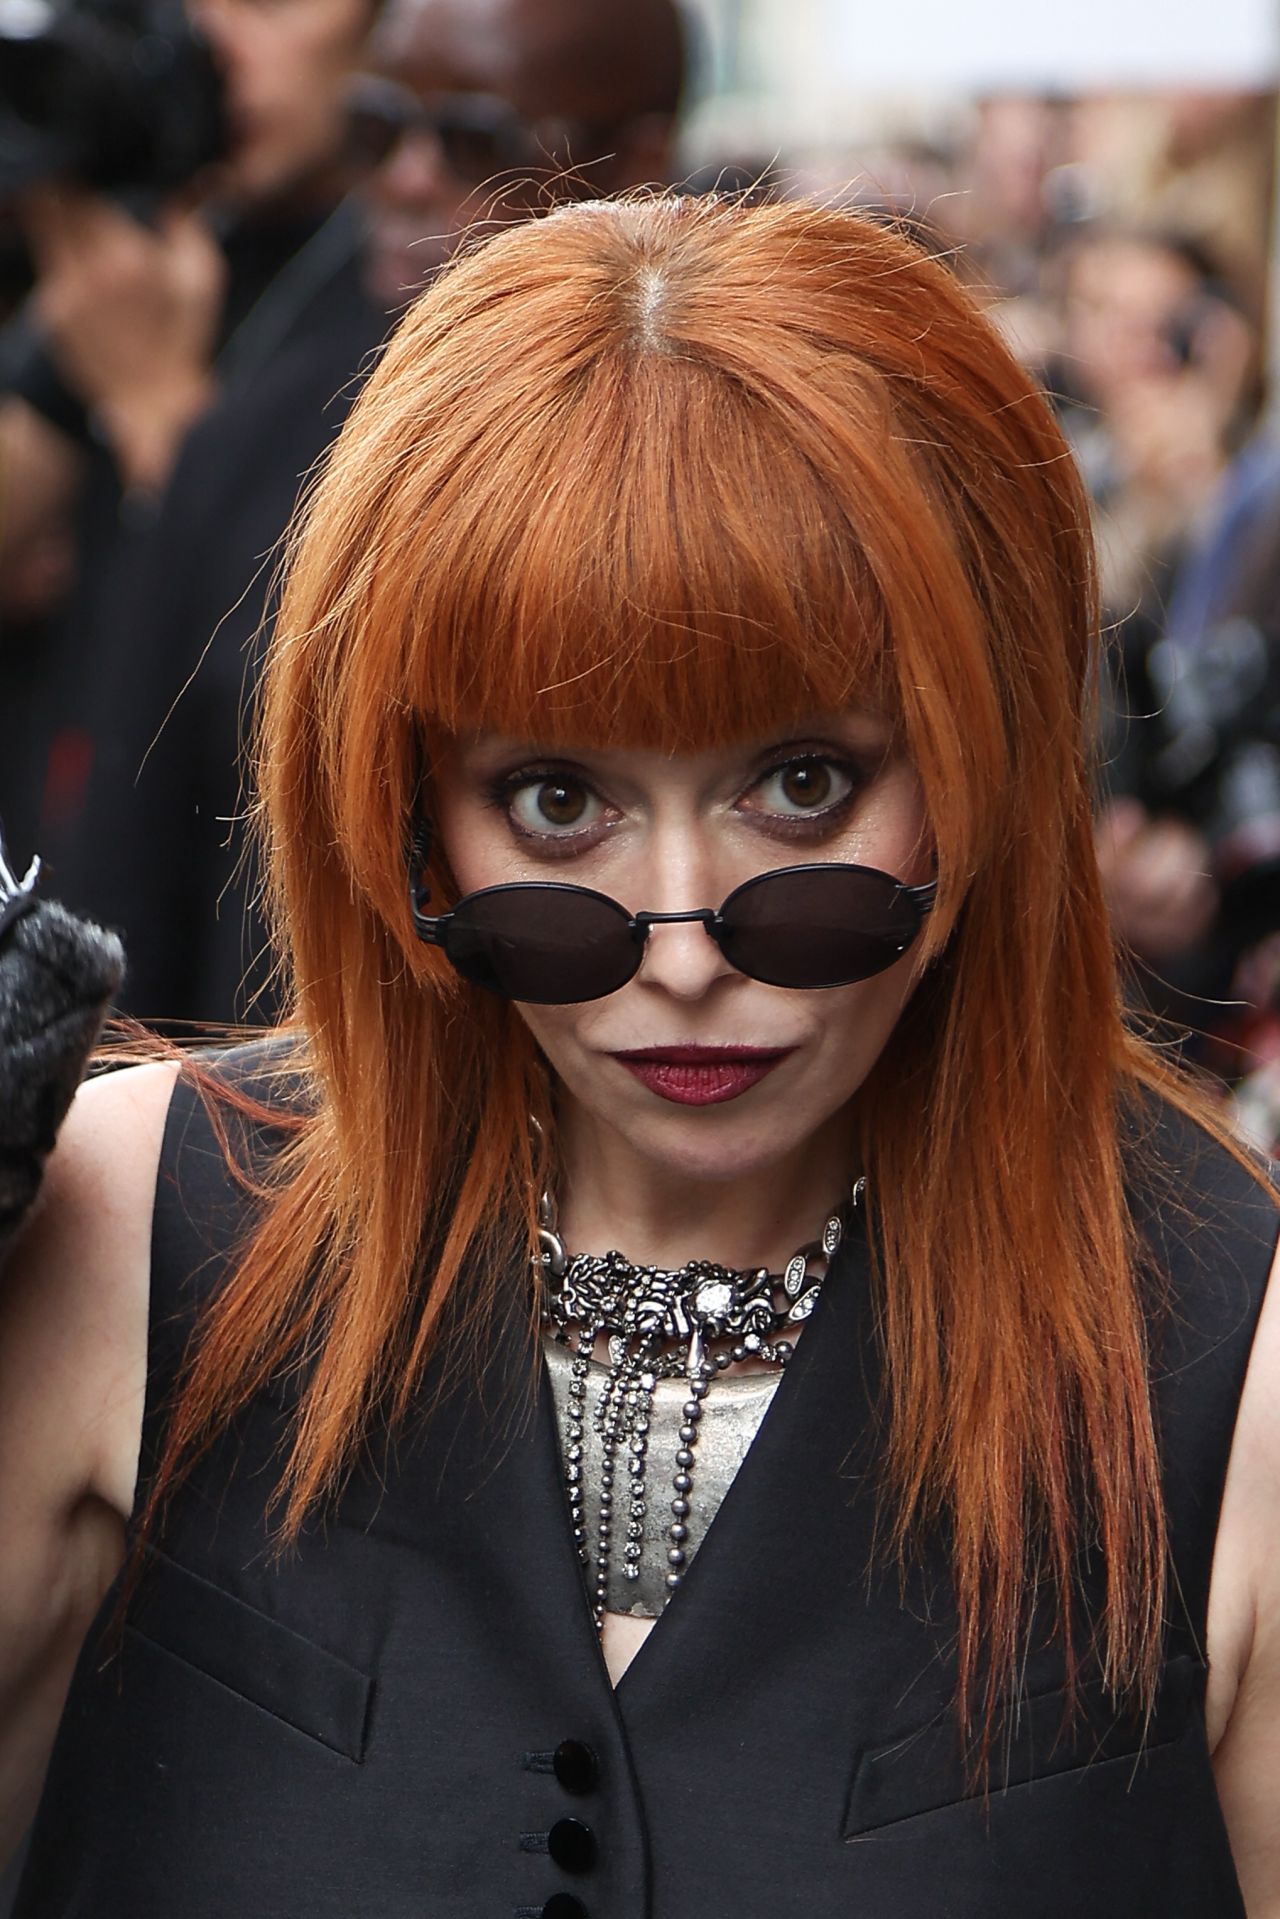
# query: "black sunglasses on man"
[[479, 134]]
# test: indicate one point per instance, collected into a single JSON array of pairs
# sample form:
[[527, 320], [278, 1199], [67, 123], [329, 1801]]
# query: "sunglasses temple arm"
[[417, 861], [924, 896]]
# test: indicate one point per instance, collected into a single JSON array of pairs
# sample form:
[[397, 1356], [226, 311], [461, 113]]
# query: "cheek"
[[302, 80], [333, 56], [465, 834], [559, 1032], [894, 831], [857, 1026]]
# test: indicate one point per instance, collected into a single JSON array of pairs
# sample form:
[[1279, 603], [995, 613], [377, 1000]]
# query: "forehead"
[[858, 729], [1121, 271], [505, 47]]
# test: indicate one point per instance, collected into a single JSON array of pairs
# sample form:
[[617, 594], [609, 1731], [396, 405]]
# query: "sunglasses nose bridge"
[[706, 914], [683, 967]]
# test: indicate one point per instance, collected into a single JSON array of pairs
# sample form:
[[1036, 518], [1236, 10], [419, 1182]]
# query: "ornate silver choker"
[[691, 1323]]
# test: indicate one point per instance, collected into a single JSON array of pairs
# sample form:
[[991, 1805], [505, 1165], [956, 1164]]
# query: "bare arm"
[[73, 1345], [1244, 1628]]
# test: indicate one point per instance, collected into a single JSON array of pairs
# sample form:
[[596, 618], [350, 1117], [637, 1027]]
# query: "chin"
[[713, 1144]]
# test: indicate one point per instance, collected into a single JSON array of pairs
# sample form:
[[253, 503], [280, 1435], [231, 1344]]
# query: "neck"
[[612, 1197]]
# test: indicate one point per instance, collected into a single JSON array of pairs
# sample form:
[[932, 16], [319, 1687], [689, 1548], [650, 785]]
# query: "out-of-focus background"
[[209, 215]]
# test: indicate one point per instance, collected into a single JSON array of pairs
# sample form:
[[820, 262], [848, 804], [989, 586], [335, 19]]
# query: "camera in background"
[[122, 96]]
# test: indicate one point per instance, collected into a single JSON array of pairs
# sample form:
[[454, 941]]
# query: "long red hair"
[[664, 472]]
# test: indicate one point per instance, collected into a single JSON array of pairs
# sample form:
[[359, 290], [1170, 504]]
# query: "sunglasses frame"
[[517, 142], [433, 929]]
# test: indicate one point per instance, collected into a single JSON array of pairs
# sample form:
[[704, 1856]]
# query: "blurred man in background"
[[176, 378], [474, 106]]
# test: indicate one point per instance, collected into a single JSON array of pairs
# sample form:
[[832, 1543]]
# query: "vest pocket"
[[254, 1656], [922, 1770]]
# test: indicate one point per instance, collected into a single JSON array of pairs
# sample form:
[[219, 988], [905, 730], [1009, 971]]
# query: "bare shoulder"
[[73, 1306], [1244, 1626], [73, 1361], [111, 1138]]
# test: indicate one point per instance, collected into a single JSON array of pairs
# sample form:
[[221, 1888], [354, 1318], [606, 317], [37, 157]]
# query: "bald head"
[[594, 84]]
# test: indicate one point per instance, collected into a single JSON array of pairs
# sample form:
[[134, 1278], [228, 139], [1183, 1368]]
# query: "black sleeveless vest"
[[410, 1717]]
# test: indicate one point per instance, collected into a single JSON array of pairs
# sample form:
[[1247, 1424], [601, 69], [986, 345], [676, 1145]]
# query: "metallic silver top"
[[731, 1416]]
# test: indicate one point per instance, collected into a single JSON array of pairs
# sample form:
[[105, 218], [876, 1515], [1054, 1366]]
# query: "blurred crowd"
[[1126, 246], [210, 216]]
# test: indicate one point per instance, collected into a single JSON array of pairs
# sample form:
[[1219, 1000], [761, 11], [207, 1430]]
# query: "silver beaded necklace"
[[692, 1322]]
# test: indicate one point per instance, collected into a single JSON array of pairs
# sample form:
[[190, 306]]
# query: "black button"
[[572, 1845], [563, 1905], [576, 1766]]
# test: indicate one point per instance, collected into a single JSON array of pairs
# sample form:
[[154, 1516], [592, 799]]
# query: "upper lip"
[[702, 1055]]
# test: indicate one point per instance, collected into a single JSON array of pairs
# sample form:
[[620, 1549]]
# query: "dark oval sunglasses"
[[550, 944]]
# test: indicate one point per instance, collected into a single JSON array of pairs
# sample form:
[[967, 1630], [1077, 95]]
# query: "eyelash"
[[501, 789], [821, 823]]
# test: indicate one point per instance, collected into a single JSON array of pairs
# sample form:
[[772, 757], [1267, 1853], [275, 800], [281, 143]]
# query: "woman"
[[710, 583]]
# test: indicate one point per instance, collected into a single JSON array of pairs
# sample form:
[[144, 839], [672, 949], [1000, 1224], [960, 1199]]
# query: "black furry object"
[[57, 977]]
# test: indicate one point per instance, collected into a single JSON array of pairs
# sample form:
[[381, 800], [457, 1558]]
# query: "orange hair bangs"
[[646, 495]]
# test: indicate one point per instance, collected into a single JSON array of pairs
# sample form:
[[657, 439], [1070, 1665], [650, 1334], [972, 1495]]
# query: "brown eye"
[[803, 788], [561, 803], [806, 785], [553, 804]]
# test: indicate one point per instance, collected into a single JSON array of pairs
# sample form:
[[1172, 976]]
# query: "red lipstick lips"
[[701, 1075]]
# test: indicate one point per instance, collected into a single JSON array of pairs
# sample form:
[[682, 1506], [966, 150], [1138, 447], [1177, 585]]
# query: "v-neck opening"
[[778, 1416]]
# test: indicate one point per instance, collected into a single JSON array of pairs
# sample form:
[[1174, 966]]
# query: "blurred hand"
[[1156, 876], [57, 975], [130, 313]]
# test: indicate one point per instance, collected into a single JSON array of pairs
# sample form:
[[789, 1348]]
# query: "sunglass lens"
[[379, 114], [371, 137], [547, 945], [473, 153], [477, 134], [480, 134], [816, 926]]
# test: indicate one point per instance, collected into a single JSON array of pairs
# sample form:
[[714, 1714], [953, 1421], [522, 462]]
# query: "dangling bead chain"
[[661, 1325]]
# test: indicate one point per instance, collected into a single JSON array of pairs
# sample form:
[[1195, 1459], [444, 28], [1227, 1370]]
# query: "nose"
[[680, 958], [415, 173]]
